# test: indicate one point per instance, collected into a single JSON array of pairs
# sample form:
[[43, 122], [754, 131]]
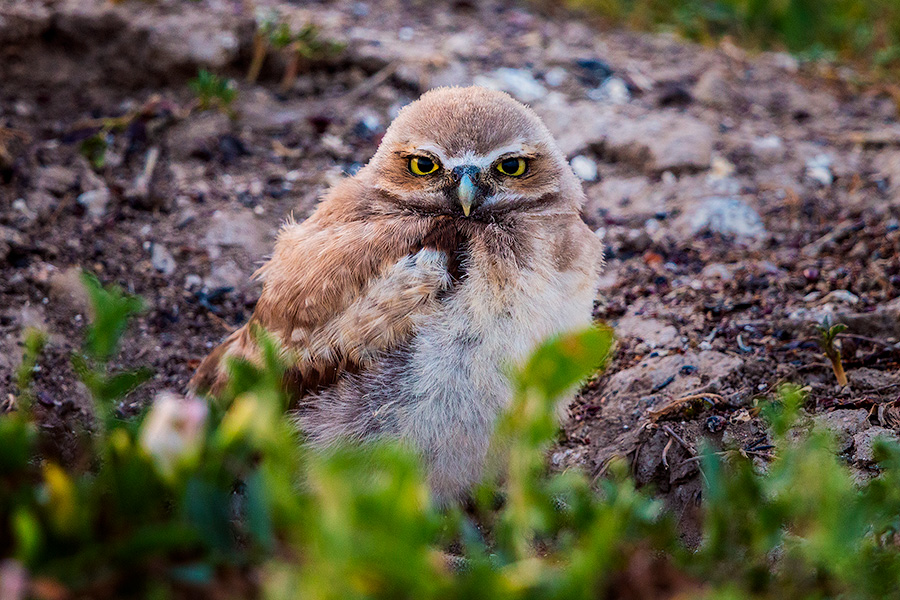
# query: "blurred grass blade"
[[110, 310], [566, 360]]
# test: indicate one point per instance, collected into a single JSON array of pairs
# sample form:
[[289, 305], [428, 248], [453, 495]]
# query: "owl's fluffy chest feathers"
[[443, 389], [457, 381]]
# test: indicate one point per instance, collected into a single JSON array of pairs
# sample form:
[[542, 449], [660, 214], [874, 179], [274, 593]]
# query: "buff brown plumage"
[[417, 282]]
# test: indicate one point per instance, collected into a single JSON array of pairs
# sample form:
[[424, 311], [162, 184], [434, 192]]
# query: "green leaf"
[[34, 341], [566, 360], [119, 385], [256, 506], [194, 574], [208, 509], [17, 443], [111, 310], [27, 533]]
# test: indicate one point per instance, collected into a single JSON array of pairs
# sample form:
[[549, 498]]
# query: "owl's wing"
[[338, 293]]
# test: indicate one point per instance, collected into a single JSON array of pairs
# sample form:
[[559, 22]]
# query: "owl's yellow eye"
[[422, 165], [513, 167]]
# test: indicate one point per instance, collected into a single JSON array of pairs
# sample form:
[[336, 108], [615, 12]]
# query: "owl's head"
[[472, 152]]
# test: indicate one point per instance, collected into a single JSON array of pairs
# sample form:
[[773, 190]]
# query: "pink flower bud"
[[173, 432]]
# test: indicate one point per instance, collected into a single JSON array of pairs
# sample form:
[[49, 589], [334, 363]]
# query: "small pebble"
[[556, 76], [192, 281], [162, 259], [613, 91], [517, 82], [818, 169], [585, 168]]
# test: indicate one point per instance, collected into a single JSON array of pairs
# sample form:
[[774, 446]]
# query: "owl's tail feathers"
[[211, 376]]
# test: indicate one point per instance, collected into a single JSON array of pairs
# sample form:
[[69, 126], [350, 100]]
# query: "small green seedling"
[[265, 29], [111, 309], [306, 46], [34, 341], [275, 34], [94, 149], [827, 335], [213, 91]]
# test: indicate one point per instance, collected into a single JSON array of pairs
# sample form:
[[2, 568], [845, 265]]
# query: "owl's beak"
[[465, 190], [466, 187]]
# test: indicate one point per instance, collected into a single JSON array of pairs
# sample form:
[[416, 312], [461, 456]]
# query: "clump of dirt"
[[743, 201]]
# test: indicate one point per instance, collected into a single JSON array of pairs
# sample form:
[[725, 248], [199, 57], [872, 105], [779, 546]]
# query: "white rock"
[[455, 73], [162, 260], [517, 82], [865, 442], [826, 313], [843, 296], [191, 39], [56, 179], [22, 108], [556, 76], [717, 271], [768, 149], [710, 368], [653, 332], [845, 424], [192, 281], [786, 61], [818, 169], [585, 168], [657, 142], [95, 202], [727, 216], [226, 275], [575, 125], [236, 229], [613, 91], [662, 142], [714, 89]]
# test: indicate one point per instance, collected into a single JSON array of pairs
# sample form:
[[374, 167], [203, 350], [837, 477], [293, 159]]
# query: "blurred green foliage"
[[94, 149], [221, 499], [34, 341], [214, 92], [865, 30]]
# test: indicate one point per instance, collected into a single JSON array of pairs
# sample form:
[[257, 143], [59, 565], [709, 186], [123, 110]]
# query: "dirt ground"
[[743, 200]]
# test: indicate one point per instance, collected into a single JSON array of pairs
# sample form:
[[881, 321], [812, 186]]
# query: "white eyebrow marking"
[[470, 158], [431, 149]]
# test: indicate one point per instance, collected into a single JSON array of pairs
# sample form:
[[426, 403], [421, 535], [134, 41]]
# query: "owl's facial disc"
[[471, 153], [471, 180]]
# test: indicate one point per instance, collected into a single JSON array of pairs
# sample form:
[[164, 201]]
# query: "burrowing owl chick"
[[417, 282]]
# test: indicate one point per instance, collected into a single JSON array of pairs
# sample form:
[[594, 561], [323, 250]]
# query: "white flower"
[[173, 432]]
